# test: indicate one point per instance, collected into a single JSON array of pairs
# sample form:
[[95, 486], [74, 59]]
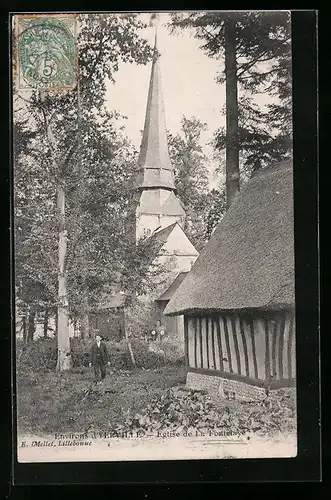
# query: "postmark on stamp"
[[46, 52]]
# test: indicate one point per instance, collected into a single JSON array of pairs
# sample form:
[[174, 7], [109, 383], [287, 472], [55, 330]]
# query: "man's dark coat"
[[103, 353]]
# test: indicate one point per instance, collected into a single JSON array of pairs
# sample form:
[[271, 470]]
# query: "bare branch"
[[246, 66]]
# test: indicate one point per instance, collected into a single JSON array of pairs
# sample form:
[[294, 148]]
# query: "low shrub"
[[173, 349], [80, 352], [42, 354], [119, 355]]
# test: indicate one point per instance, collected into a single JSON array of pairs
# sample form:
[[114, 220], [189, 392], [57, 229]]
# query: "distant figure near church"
[[160, 330], [99, 358]]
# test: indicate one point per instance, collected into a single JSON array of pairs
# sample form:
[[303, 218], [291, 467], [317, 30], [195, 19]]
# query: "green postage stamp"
[[46, 51]]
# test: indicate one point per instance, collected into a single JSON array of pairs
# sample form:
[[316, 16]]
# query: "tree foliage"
[[215, 211], [94, 163], [204, 207], [263, 60], [191, 176]]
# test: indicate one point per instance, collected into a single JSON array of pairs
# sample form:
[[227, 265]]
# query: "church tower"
[[158, 205]]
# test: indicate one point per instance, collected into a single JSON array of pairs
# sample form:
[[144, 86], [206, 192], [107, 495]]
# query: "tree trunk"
[[232, 137], [24, 328], [63, 340], [31, 324], [56, 323], [75, 328], [46, 322], [127, 338], [64, 360], [130, 350], [85, 322], [85, 326]]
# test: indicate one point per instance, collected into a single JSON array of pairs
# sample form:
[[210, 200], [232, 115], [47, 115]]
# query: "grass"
[[48, 402], [143, 398]]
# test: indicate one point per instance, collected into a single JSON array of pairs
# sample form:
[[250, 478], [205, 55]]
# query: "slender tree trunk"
[[75, 327], [232, 137], [63, 340], [85, 321], [85, 326], [130, 349], [56, 323], [46, 315], [127, 338], [31, 324], [24, 328]]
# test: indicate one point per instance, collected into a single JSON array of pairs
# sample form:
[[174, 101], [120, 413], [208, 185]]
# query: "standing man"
[[99, 358]]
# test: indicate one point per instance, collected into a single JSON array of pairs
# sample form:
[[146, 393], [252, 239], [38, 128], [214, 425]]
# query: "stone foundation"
[[234, 389], [203, 382], [230, 389]]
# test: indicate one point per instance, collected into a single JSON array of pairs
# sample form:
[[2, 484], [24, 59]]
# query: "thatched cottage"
[[238, 300]]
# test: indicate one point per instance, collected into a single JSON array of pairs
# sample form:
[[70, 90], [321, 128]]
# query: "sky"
[[188, 80], [189, 87]]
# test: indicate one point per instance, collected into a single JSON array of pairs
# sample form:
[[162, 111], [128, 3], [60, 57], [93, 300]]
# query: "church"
[[159, 214]]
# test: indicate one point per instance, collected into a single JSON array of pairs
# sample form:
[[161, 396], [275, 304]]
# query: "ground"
[[176, 422], [129, 400], [48, 402]]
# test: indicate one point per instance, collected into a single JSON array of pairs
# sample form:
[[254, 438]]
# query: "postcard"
[[153, 236]]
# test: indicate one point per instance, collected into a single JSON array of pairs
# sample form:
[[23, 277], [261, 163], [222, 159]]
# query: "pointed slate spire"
[[154, 161]]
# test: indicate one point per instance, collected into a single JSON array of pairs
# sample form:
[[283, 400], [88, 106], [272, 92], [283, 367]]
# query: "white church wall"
[[178, 244], [177, 254], [177, 263], [167, 220], [146, 224]]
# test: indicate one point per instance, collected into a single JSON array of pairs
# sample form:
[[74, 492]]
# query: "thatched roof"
[[248, 262]]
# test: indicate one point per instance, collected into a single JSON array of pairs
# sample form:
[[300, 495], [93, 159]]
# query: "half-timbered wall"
[[256, 349]]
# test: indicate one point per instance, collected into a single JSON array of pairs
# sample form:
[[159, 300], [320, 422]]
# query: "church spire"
[[157, 202], [154, 161], [155, 22]]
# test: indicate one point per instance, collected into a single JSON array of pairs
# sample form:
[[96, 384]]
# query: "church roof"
[[155, 178], [177, 243], [162, 234], [154, 160], [248, 262], [151, 202], [173, 205], [168, 293]]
